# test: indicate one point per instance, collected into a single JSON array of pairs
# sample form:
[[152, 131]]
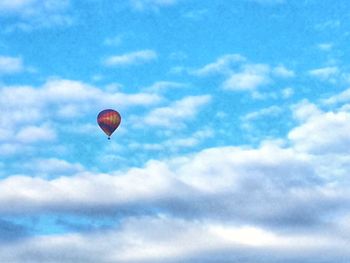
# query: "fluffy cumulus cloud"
[[330, 129], [239, 184], [175, 239], [283, 200], [251, 77], [220, 203]]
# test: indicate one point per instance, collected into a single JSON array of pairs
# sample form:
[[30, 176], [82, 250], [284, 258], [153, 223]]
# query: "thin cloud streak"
[[137, 57]]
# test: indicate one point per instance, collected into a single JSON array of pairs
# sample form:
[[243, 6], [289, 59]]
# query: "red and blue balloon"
[[108, 120]]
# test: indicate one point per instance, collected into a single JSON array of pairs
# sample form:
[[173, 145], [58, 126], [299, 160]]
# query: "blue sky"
[[234, 141]]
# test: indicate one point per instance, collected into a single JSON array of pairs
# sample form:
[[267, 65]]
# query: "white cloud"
[[142, 5], [178, 55], [164, 239], [305, 110], [33, 14], [65, 97], [325, 46], [328, 25], [173, 115], [325, 73], [137, 57], [31, 134], [239, 74], [32, 7], [176, 144], [161, 86], [287, 93], [44, 194], [196, 14], [282, 71], [251, 77], [342, 97], [219, 204], [8, 5], [321, 131], [265, 112], [213, 173], [10, 65], [227, 200], [11, 149], [113, 41], [269, 1], [221, 66], [233, 195], [4, 133], [52, 167], [27, 110]]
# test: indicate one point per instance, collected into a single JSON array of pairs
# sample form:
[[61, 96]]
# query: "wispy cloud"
[[287, 93], [196, 14], [162, 86], [273, 110], [328, 25], [137, 57], [113, 41], [221, 66], [240, 74], [325, 46], [325, 73], [33, 14], [251, 121], [11, 65], [52, 167], [269, 2], [173, 115], [176, 144], [341, 97], [282, 71], [142, 5]]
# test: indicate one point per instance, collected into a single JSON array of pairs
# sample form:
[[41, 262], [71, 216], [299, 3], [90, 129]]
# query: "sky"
[[234, 144]]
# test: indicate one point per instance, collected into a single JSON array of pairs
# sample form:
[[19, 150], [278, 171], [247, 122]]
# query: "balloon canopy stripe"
[[107, 129]]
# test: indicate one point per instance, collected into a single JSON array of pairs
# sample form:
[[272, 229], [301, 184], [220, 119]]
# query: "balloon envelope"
[[108, 120]]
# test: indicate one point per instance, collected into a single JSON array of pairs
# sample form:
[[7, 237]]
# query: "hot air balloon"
[[108, 120]]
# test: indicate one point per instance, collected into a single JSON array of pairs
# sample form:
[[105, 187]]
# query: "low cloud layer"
[[278, 202]]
